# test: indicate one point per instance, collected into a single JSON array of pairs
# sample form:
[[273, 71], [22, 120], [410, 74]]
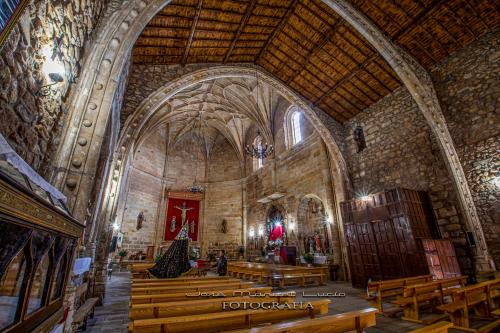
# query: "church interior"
[[249, 166]]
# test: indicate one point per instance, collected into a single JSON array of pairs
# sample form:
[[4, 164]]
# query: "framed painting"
[[10, 11]]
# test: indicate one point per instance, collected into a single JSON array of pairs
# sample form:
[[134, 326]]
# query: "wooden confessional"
[[385, 233], [37, 241]]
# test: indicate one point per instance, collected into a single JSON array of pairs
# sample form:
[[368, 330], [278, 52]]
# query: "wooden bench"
[[195, 306], [180, 296], [194, 288], [433, 293], [226, 320], [480, 299], [344, 322], [182, 279], [439, 327], [300, 279], [86, 308], [378, 291], [190, 282]]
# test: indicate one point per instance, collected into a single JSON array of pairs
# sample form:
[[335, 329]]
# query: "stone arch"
[[100, 80]]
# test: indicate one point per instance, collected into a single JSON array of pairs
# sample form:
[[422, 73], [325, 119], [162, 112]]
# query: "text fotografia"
[[266, 306]]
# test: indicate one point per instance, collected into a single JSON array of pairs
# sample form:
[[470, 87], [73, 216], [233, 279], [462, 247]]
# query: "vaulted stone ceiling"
[[223, 107], [309, 47]]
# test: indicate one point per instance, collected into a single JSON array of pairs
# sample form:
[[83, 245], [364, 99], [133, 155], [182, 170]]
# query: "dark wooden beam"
[[417, 20], [280, 27], [191, 34], [319, 46], [348, 77], [244, 21]]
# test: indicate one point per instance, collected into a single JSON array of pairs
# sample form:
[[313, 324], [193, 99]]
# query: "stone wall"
[[401, 151], [30, 122], [154, 172], [468, 86], [298, 171]]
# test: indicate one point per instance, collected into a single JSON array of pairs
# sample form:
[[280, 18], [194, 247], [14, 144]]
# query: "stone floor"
[[112, 317]]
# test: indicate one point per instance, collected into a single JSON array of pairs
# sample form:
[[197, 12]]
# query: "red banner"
[[175, 210]]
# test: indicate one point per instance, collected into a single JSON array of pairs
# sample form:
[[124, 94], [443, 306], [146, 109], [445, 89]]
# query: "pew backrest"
[[344, 322]]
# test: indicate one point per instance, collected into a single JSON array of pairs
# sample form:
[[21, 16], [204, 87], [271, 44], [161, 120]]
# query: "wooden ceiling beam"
[[459, 20], [243, 22], [319, 46], [280, 27], [191, 34], [418, 42], [348, 77], [476, 14], [417, 20], [354, 97]]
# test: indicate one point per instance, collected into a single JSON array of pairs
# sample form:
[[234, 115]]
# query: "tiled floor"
[[112, 317]]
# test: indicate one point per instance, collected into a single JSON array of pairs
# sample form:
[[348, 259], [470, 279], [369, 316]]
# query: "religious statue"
[[359, 138], [191, 227], [317, 241], [311, 244], [223, 226], [140, 220], [184, 211], [173, 224]]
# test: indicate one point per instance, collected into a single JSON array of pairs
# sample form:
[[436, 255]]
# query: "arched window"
[[294, 126], [257, 162], [295, 121]]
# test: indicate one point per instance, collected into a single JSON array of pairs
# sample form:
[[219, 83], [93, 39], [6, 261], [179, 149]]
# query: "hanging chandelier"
[[196, 188], [259, 149]]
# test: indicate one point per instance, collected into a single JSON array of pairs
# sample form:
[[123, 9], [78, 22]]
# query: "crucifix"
[[183, 210]]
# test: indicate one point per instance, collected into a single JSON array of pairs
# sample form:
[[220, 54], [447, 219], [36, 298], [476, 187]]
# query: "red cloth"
[[191, 215], [276, 233]]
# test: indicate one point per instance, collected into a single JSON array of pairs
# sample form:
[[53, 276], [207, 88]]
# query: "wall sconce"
[[291, 226], [251, 232], [365, 198], [53, 70], [116, 226], [261, 230]]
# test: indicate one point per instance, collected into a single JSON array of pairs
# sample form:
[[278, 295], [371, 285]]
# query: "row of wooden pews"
[[480, 301], [428, 294], [444, 298], [278, 275], [209, 305]]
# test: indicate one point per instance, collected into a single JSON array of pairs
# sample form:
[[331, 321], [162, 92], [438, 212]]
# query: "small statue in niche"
[[223, 226], [317, 241], [359, 138], [173, 224], [191, 227], [140, 220]]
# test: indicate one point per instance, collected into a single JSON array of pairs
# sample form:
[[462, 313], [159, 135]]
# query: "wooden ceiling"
[[309, 47]]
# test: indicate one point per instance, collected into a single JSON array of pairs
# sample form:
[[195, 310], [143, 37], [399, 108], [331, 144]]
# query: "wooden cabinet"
[[441, 258], [38, 237], [383, 234]]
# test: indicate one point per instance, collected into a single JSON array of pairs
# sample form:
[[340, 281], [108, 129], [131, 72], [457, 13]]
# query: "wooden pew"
[[190, 282], [344, 322], [439, 327], [226, 320], [299, 278], [200, 287], [378, 291], [196, 306], [479, 298], [434, 292], [181, 279], [86, 308], [180, 296]]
